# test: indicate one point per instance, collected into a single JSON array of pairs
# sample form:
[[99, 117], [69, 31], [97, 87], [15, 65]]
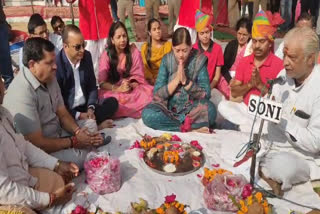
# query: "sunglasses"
[[79, 46]]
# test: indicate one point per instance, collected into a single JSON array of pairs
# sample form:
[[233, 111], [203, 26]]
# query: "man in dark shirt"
[[5, 59]]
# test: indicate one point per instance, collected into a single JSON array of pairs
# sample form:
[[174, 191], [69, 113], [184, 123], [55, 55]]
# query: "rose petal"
[[199, 176], [176, 138], [141, 154], [215, 165], [170, 198], [135, 145]]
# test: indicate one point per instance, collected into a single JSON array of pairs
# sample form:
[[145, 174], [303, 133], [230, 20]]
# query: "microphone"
[[279, 80]]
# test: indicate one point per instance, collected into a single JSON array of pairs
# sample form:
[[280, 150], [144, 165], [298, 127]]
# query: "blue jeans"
[[5, 58], [114, 9], [286, 12]]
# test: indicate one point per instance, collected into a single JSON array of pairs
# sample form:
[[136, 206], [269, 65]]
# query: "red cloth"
[[215, 58], [206, 7], [188, 10], [268, 70], [95, 19], [222, 16], [18, 36]]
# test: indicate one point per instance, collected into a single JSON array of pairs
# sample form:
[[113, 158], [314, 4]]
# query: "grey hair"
[[307, 38]]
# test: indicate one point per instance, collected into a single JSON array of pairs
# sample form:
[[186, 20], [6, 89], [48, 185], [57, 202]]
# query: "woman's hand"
[[124, 87], [181, 73], [133, 84]]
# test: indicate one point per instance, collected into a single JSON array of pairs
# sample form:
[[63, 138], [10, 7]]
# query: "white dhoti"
[[96, 47], [237, 113]]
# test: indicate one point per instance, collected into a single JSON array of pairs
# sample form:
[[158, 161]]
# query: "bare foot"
[[106, 124], [275, 186], [204, 130]]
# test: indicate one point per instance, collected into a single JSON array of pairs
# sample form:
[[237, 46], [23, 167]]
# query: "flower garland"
[[261, 204], [147, 144], [81, 210], [170, 202], [171, 157], [209, 175]]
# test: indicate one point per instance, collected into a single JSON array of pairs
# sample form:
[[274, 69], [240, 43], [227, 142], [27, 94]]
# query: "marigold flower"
[[160, 210], [258, 196], [249, 202]]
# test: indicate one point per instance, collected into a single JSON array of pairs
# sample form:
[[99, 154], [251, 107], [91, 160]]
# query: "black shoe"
[[106, 139]]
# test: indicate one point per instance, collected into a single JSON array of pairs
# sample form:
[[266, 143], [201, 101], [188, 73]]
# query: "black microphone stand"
[[256, 143]]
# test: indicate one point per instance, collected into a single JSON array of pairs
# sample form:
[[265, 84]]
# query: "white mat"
[[139, 181]]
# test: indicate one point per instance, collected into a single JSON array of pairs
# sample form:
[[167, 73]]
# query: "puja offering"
[[171, 206], [168, 155], [253, 204], [222, 188], [102, 172]]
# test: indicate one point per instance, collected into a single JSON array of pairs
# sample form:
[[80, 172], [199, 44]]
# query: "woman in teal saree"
[[182, 90]]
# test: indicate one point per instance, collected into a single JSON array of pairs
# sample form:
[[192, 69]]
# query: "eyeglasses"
[[79, 46]]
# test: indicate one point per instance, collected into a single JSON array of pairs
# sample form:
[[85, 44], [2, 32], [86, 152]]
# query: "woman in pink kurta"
[[121, 74]]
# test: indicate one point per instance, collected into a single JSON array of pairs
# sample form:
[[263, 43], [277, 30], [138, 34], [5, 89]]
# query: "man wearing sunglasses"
[[35, 102], [95, 21], [75, 75]]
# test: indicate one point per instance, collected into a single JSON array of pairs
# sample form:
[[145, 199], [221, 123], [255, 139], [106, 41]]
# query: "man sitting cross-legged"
[[34, 99], [252, 73], [75, 75], [30, 179], [298, 133]]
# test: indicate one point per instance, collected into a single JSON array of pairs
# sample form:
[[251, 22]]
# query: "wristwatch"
[[92, 107]]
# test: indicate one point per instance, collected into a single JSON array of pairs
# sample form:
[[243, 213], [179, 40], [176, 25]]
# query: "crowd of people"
[[72, 83]]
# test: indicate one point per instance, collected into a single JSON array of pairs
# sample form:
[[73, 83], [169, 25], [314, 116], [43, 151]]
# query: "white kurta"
[[299, 134]]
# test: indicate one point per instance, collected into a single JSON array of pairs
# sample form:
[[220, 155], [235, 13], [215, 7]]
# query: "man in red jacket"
[[94, 22]]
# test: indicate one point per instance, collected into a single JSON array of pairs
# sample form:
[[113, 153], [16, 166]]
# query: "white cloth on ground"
[[140, 181]]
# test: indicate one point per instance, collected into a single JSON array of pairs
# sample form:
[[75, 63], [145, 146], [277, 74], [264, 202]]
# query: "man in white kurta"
[[298, 132], [299, 129]]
